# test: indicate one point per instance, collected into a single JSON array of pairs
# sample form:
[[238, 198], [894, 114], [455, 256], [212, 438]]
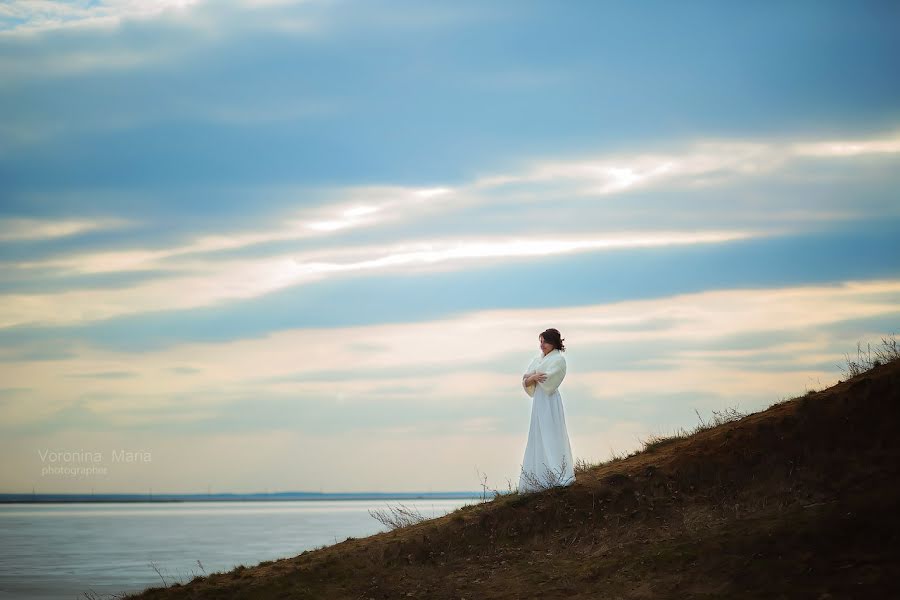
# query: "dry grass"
[[868, 360], [92, 595], [399, 517], [719, 418], [551, 478]]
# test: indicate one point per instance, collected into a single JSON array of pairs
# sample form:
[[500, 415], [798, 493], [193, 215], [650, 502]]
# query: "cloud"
[[887, 145], [28, 16], [635, 367], [105, 375], [705, 162], [16, 229], [196, 276], [208, 283], [52, 39], [681, 339], [23, 18]]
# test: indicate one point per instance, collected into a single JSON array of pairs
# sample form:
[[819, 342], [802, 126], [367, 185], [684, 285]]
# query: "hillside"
[[797, 501]]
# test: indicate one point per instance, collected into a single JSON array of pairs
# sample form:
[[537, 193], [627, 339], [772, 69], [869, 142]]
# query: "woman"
[[548, 454]]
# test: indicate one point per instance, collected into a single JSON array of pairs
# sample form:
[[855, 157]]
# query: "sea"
[[94, 550]]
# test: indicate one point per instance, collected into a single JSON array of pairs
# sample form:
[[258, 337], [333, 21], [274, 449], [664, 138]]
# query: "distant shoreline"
[[274, 497]]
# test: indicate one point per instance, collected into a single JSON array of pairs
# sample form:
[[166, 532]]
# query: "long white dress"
[[548, 453]]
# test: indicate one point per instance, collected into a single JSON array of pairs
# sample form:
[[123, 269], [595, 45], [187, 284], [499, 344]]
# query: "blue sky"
[[310, 245]]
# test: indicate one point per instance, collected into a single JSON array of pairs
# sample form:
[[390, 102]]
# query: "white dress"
[[548, 454]]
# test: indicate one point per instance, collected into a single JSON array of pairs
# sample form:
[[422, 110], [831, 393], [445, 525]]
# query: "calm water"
[[64, 550]]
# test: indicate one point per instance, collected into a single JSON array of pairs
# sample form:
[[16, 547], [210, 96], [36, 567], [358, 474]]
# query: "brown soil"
[[797, 501]]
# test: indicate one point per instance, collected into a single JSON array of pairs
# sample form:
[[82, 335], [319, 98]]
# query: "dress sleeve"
[[529, 389], [556, 372]]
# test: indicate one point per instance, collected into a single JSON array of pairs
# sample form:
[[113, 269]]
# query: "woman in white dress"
[[548, 454]]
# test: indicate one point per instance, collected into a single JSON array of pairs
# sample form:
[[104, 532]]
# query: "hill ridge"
[[795, 501]]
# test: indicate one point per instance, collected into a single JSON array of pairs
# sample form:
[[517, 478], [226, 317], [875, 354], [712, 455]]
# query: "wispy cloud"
[[30, 16], [886, 145], [632, 364], [42, 229], [705, 162], [675, 334], [207, 283], [48, 40], [202, 278]]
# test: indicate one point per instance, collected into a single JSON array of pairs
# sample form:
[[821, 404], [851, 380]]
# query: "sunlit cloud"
[[197, 277], [840, 148], [28, 16], [684, 348], [438, 251], [354, 207], [704, 162], [361, 206], [46, 40], [704, 316], [19, 229], [208, 282], [629, 361]]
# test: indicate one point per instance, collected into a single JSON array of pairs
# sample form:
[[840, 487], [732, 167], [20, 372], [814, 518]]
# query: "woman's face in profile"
[[545, 346]]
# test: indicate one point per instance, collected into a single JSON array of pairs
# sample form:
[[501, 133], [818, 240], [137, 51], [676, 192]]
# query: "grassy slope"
[[797, 501]]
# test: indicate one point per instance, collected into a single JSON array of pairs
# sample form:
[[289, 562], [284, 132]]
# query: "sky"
[[303, 246]]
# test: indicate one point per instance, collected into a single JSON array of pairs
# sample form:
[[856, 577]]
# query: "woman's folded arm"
[[555, 375], [528, 384]]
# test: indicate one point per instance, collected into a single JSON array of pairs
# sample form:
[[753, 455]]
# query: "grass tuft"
[[868, 360]]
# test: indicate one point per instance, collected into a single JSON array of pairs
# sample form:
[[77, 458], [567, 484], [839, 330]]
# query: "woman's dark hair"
[[552, 336]]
